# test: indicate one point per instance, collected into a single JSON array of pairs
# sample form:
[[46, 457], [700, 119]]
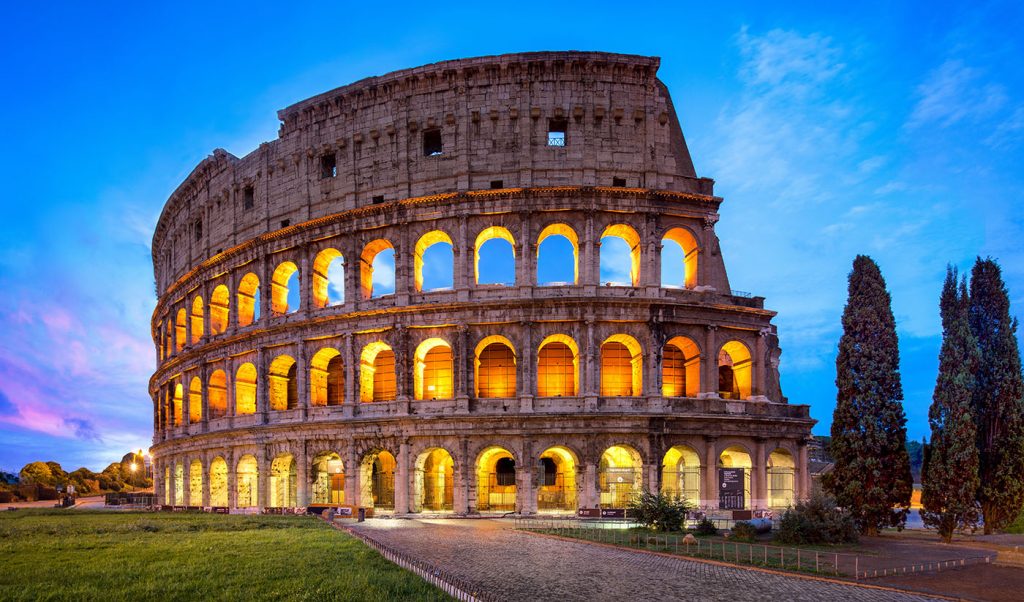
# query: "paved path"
[[518, 566]]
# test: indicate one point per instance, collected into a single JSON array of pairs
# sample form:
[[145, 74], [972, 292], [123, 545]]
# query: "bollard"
[[362, 515]]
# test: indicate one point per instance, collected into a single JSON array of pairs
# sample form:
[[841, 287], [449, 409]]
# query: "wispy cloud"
[[955, 92]]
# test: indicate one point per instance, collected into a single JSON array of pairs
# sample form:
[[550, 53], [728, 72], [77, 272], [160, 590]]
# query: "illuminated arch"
[[280, 286], [195, 483], [377, 373], [434, 481], [217, 394], [734, 371], [680, 368], [220, 300], [219, 483], [781, 479], [621, 366], [197, 319], [681, 473], [690, 253], [619, 476], [328, 478], [377, 480], [326, 378], [370, 252], [177, 402], [556, 490], [568, 233], [248, 299], [632, 239], [737, 456], [425, 242], [555, 377], [195, 400], [488, 234], [325, 262], [433, 370], [496, 480], [179, 330], [283, 387], [247, 478], [245, 389], [283, 482], [494, 368], [179, 484]]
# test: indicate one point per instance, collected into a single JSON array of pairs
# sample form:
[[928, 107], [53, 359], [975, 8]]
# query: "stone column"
[[262, 476], [206, 480], [462, 357], [301, 475], [352, 476], [262, 388], [803, 472], [526, 362], [526, 260], [302, 379], [465, 489], [710, 473], [353, 281], [462, 253], [403, 370], [526, 494], [405, 283], [589, 381], [230, 372], [266, 291], [590, 257], [351, 368], [709, 360], [305, 282], [589, 496], [403, 477], [204, 377], [758, 364], [759, 478]]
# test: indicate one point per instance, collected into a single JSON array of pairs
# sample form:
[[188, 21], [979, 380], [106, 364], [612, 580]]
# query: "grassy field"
[[64, 555]]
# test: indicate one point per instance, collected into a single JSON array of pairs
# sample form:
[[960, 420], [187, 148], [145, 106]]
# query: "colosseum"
[[479, 286]]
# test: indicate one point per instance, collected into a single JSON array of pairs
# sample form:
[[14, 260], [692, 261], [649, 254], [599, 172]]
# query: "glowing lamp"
[[334, 467]]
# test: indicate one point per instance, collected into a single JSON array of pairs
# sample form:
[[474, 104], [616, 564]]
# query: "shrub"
[[706, 527], [659, 510], [744, 531], [816, 521]]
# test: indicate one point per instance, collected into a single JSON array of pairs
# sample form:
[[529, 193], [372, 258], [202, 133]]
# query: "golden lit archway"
[[569, 234], [736, 457], [279, 288], [219, 483], [195, 483], [326, 378], [687, 276], [495, 368], [247, 477], [377, 480], [425, 242], [219, 309], [283, 387], [245, 389], [781, 479], [217, 394], [558, 373], [197, 319], [370, 252], [556, 489], [619, 476], [328, 476], [496, 480], [179, 330], [195, 400], [179, 484], [734, 371], [491, 233], [434, 481], [628, 235], [177, 402], [322, 265], [377, 373], [681, 473], [283, 482], [621, 366], [432, 370], [680, 368], [248, 299]]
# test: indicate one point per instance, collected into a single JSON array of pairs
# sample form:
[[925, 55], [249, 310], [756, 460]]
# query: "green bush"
[[706, 527], [817, 521], [659, 510], [1016, 526], [744, 531]]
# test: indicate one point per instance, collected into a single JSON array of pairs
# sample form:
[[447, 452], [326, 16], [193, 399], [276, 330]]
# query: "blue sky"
[[895, 130]]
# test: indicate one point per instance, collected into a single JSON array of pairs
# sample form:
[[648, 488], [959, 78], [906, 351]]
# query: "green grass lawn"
[[63, 555]]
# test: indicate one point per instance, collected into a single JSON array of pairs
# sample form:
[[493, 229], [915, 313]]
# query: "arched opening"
[[620, 256], [328, 278], [495, 368], [494, 257], [734, 367], [679, 259], [195, 400], [219, 309], [195, 483], [734, 469], [283, 387], [248, 299], [433, 262], [377, 373], [556, 491], [433, 370], [219, 483], [283, 482], [177, 402], [781, 479], [197, 320], [496, 480], [377, 480], [619, 476], [621, 366], [245, 389], [680, 368], [434, 486], [326, 378], [681, 473], [217, 394], [284, 289], [558, 367], [328, 479], [377, 269], [558, 245], [179, 484], [179, 330], [168, 339], [247, 478]]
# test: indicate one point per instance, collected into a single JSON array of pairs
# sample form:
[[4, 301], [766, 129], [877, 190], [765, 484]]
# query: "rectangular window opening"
[[198, 228], [556, 132], [619, 182], [432, 143], [285, 223], [378, 199], [497, 184], [328, 166], [248, 198]]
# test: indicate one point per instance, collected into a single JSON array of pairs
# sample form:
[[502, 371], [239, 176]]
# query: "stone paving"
[[512, 565]]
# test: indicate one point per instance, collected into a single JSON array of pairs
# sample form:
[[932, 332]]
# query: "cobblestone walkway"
[[518, 566]]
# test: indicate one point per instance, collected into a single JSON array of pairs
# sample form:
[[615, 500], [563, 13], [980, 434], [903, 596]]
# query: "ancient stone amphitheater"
[[483, 285]]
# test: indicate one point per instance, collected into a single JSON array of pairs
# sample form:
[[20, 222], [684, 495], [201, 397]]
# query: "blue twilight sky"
[[832, 129]]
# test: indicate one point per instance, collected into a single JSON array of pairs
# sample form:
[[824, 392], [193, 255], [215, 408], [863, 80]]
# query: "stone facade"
[[516, 147]]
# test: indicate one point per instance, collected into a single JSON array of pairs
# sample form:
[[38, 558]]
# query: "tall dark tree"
[[871, 475], [998, 398], [950, 474]]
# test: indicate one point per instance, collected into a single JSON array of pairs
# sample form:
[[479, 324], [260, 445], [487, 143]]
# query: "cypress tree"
[[950, 474], [998, 398], [871, 476]]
